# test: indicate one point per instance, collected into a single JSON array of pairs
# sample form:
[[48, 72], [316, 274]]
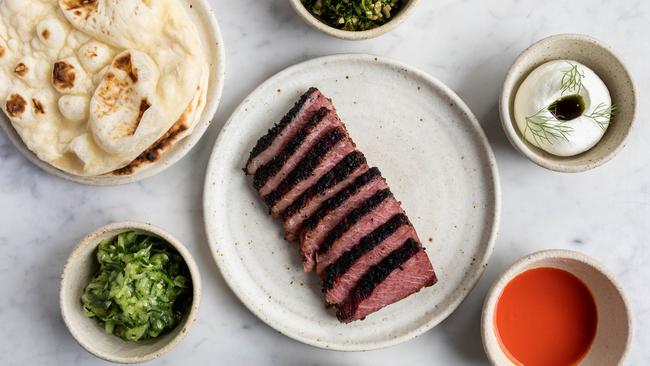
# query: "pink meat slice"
[[377, 217], [345, 283], [293, 224], [314, 102], [333, 156], [402, 282], [311, 239], [330, 121]]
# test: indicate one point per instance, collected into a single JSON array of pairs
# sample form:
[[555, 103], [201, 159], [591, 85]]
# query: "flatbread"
[[92, 86]]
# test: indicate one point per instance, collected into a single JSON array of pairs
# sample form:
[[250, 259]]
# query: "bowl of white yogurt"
[[568, 103]]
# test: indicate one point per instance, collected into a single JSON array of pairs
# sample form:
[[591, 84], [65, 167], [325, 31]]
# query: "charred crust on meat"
[[380, 271], [124, 63], [21, 69], [63, 75], [270, 169], [38, 106], [353, 217], [377, 274], [336, 201], [15, 105], [306, 166], [265, 141], [365, 245], [339, 173]]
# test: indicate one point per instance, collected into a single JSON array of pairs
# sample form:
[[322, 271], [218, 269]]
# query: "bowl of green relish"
[[129, 292], [354, 19]]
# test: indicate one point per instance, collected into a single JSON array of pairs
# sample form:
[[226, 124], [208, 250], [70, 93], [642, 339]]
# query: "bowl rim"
[[310, 19], [91, 241], [506, 96], [493, 294], [179, 150]]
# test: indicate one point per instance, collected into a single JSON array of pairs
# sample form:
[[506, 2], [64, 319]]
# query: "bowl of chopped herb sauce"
[[129, 292], [354, 19]]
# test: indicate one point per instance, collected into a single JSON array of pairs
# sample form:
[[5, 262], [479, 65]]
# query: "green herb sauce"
[[353, 15], [142, 288]]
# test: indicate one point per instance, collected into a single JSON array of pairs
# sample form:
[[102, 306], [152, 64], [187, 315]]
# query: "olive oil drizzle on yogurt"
[[545, 128], [568, 108]]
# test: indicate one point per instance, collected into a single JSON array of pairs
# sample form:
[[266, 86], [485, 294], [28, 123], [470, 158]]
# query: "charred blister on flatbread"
[[38, 106], [80, 8], [155, 151], [21, 69], [144, 105], [124, 63], [15, 105], [63, 75]]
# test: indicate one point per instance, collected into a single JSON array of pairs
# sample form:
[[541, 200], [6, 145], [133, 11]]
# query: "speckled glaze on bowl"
[[202, 14], [308, 17], [79, 269], [614, 330], [609, 67]]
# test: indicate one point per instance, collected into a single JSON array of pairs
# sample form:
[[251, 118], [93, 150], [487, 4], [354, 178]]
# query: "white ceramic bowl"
[[611, 69], [614, 330], [308, 17], [78, 271], [203, 16]]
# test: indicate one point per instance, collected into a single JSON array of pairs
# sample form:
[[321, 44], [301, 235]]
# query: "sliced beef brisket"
[[342, 276], [352, 230], [332, 157], [270, 145], [337, 179], [314, 235], [400, 274], [269, 175]]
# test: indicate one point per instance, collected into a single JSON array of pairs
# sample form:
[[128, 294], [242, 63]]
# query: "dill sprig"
[[602, 115], [571, 79], [542, 128]]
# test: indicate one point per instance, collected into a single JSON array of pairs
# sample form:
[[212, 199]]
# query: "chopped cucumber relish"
[[142, 287], [353, 15]]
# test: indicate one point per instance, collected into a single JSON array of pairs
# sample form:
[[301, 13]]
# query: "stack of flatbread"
[[97, 87]]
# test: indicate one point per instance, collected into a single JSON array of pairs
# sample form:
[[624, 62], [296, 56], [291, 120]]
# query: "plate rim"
[[481, 263], [179, 150]]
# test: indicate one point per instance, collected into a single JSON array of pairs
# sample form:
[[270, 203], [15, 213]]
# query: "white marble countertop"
[[468, 45]]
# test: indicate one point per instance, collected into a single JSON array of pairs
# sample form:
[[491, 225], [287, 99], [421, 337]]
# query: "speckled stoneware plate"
[[206, 23], [435, 158]]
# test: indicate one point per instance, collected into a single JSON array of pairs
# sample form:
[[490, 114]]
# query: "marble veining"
[[467, 44]]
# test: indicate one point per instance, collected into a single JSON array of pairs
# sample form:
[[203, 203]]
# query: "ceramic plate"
[[206, 23], [432, 152]]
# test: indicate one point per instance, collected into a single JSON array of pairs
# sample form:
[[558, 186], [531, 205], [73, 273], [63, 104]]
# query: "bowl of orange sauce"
[[556, 307]]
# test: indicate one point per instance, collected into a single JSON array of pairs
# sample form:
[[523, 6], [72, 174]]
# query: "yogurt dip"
[[563, 107]]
